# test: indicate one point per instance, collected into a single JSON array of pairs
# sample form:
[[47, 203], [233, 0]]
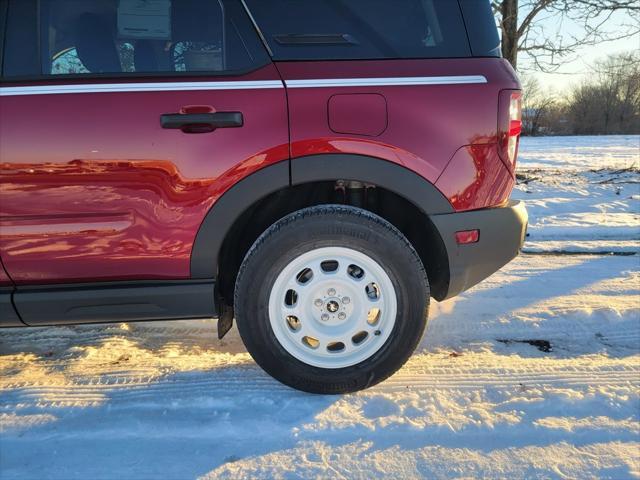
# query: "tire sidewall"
[[303, 232]]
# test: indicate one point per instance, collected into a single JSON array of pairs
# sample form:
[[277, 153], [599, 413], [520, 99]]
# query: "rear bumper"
[[502, 233]]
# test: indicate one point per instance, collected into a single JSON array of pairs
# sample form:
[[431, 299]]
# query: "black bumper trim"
[[502, 234]]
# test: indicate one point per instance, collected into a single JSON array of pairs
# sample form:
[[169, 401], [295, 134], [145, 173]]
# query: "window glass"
[[481, 27], [361, 29], [3, 24], [84, 37], [20, 55]]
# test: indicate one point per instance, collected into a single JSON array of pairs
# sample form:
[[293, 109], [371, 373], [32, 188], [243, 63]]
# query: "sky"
[[578, 66]]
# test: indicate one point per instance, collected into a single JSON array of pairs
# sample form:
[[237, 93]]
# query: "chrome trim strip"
[[241, 85], [386, 82], [138, 87]]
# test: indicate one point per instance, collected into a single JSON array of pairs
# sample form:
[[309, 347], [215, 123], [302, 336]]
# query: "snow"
[[582, 193], [579, 153], [480, 398]]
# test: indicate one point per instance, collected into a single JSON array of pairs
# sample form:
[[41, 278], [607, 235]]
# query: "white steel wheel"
[[332, 307], [331, 299]]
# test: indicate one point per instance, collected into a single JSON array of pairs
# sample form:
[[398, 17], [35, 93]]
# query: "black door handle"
[[201, 122]]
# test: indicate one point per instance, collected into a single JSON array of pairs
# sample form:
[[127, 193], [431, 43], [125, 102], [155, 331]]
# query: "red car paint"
[[476, 178], [5, 281], [105, 193], [363, 114], [96, 190], [179, 159], [426, 124]]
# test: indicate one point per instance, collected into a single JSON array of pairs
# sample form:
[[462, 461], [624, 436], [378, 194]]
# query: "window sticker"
[[144, 19]]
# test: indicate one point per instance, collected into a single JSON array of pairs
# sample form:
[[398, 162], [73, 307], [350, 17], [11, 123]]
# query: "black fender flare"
[[313, 168]]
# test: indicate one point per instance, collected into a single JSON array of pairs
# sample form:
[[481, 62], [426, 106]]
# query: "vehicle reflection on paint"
[[133, 218], [476, 176]]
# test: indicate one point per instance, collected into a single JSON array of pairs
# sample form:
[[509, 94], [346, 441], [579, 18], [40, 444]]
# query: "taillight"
[[510, 125]]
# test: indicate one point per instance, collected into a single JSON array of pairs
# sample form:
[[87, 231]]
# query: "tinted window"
[[20, 54], [83, 37], [481, 27], [361, 29], [3, 23]]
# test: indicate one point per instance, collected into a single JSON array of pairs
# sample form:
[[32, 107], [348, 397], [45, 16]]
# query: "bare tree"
[[523, 31], [609, 101], [536, 105], [619, 78]]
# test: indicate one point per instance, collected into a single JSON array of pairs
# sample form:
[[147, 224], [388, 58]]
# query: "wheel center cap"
[[332, 306]]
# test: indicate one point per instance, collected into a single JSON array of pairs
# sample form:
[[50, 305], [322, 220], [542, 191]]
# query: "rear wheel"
[[331, 299]]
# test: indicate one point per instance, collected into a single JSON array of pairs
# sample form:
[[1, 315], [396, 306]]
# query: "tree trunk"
[[509, 11]]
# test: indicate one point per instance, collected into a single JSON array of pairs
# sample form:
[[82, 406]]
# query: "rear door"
[[8, 315], [121, 123]]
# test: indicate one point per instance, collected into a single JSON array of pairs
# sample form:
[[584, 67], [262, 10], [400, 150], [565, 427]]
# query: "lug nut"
[[332, 292], [342, 315], [346, 300], [325, 317], [318, 302]]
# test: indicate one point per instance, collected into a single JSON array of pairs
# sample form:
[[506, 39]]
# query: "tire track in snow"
[[132, 389], [158, 363]]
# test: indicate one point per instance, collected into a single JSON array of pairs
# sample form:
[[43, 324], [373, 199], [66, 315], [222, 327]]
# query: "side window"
[[20, 54], [361, 29], [87, 37], [482, 29], [3, 24]]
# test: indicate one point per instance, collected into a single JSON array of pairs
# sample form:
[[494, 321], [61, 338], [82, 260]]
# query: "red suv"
[[315, 170]]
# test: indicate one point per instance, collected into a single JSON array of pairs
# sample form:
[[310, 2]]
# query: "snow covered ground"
[[535, 373], [582, 193]]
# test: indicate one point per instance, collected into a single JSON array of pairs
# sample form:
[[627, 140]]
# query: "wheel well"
[[398, 211]]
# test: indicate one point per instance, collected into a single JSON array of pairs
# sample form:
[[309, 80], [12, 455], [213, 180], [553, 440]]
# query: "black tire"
[[317, 227]]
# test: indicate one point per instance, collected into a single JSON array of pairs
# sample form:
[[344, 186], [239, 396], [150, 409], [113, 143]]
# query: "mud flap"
[[225, 321]]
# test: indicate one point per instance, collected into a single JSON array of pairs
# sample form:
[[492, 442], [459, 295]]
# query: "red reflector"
[[468, 236]]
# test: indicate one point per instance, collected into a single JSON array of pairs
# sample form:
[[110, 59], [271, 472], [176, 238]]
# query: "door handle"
[[201, 122]]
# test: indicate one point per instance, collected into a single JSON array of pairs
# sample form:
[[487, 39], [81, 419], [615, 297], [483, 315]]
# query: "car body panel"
[[427, 123], [476, 178], [95, 189], [5, 281], [107, 216]]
